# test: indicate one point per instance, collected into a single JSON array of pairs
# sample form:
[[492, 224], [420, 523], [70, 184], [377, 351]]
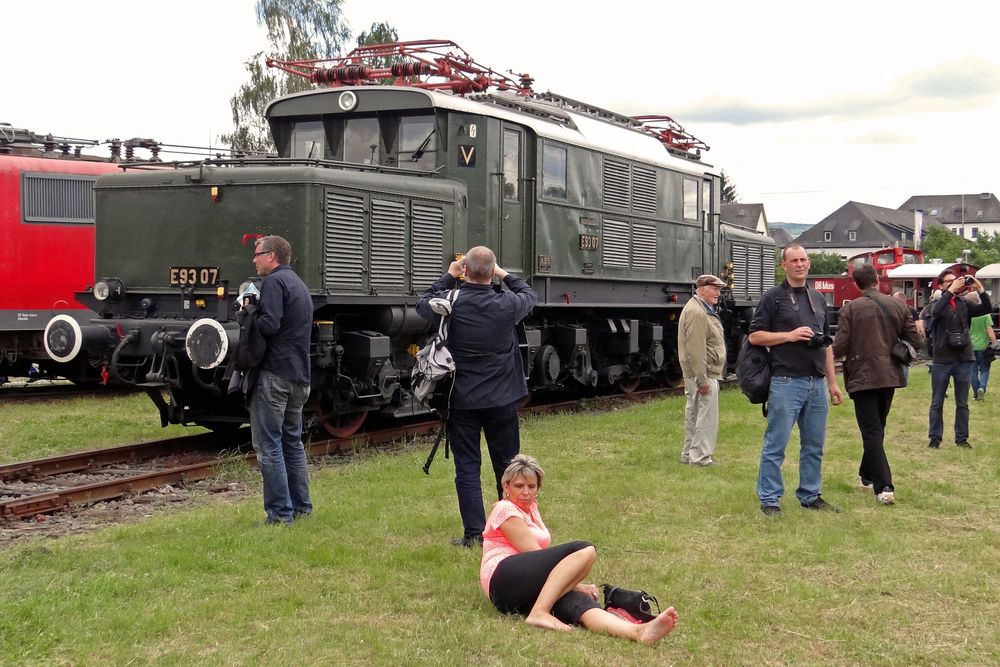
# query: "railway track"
[[49, 390], [43, 486]]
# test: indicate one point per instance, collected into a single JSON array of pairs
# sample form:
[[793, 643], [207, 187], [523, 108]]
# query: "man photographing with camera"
[[952, 354], [791, 320]]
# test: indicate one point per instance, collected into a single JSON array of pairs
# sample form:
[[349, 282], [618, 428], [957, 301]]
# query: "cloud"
[[957, 85], [883, 138]]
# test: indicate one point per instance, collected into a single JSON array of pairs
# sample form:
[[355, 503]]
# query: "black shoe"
[[277, 522], [467, 542], [821, 505], [964, 444], [771, 510], [934, 443]]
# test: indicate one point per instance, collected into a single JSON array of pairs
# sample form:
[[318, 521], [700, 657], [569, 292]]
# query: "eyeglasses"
[[262, 252]]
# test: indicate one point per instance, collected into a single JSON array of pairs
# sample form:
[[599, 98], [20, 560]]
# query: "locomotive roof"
[[547, 119], [932, 270]]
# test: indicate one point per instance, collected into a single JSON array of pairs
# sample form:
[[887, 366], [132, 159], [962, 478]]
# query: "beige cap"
[[709, 279]]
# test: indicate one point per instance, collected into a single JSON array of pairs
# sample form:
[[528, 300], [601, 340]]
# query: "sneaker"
[[886, 498], [706, 462], [964, 444], [685, 461], [934, 443], [821, 505], [467, 542], [864, 484], [975, 395], [771, 510]]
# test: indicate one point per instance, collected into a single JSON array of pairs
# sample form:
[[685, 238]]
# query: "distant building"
[[855, 228], [748, 216], [781, 237], [965, 215]]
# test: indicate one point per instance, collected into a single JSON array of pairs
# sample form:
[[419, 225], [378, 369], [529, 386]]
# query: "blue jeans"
[[276, 427], [802, 401], [503, 440], [940, 376], [980, 372]]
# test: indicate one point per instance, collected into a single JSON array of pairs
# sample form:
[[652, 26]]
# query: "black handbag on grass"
[[634, 604]]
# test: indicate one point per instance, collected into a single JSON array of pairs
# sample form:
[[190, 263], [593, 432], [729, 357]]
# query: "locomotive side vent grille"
[[643, 246], [344, 242], [616, 184], [754, 265], [427, 246], [616, 243], [60, 199], [766, 269], [388, 246], [643, 190], [740, 268]]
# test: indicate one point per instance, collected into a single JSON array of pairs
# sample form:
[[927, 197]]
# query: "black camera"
[[969, 280], [819, 340]]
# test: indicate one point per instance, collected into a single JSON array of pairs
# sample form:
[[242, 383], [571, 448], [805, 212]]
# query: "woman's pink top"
[[496, 546]]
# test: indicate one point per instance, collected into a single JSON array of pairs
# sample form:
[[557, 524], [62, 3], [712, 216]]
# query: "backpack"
[[753, 372], [434, 370], [434, 373]]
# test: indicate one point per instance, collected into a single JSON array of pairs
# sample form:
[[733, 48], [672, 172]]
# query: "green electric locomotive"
[[378, 188]]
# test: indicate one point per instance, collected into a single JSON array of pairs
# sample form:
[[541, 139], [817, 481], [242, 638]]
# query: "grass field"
[[370, 578]]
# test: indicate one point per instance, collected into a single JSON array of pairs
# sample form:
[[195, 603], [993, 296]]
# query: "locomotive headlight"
[[109, 289]]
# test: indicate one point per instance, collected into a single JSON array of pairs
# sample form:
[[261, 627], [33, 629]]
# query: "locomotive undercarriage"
[[362, 359]]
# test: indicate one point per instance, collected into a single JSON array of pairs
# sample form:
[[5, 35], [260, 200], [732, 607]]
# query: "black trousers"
[[871, 408], [519, 579], [503, 440]]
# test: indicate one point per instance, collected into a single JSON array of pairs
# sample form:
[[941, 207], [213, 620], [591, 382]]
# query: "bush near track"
[[371, 579]]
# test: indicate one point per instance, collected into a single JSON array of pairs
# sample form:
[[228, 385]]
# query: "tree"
[[942, 244], [296, 30], [820, 264], [729, 193], [381, 33]]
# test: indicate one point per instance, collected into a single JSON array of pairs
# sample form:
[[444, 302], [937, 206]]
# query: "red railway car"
[[47, 236], [840, 289]]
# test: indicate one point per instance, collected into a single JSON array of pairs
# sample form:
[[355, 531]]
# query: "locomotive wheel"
[[628, 385], [339, 425]]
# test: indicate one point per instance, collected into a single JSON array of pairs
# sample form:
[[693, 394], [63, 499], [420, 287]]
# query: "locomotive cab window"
[[554, 171], [309, 140], [511, 164], [361, 141], [417, 144], [690, 199]]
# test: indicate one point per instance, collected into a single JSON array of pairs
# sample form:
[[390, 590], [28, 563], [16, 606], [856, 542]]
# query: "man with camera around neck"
[[791, 320], [952, 354]]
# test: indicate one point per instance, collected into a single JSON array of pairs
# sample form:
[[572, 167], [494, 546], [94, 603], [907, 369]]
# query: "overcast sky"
[[806, 106]]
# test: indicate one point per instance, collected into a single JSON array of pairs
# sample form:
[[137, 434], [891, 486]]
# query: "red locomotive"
[[898, 269], [47, 236]]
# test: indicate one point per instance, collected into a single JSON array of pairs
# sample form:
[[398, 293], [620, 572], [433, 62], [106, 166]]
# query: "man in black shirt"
[[791, 320]]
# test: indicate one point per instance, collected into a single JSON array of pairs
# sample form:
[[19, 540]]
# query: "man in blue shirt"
[[285, 320], [489, 375]]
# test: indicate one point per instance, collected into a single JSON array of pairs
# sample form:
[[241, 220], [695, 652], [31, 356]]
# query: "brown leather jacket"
[[865, 337]]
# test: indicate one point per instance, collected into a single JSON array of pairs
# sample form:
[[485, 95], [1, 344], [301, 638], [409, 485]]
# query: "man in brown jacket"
[[702, 351], [867, 329]]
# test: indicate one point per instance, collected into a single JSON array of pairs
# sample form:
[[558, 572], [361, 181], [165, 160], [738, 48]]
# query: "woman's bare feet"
[[549, 622], [658, 628]]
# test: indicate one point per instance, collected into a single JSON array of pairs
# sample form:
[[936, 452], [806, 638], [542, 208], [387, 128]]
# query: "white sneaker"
[[886, 498]]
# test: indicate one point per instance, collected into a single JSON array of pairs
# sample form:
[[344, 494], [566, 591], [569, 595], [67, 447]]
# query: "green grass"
[[370, 578]]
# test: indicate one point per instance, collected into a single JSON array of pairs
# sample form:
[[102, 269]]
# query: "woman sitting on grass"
[[521, 574]]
